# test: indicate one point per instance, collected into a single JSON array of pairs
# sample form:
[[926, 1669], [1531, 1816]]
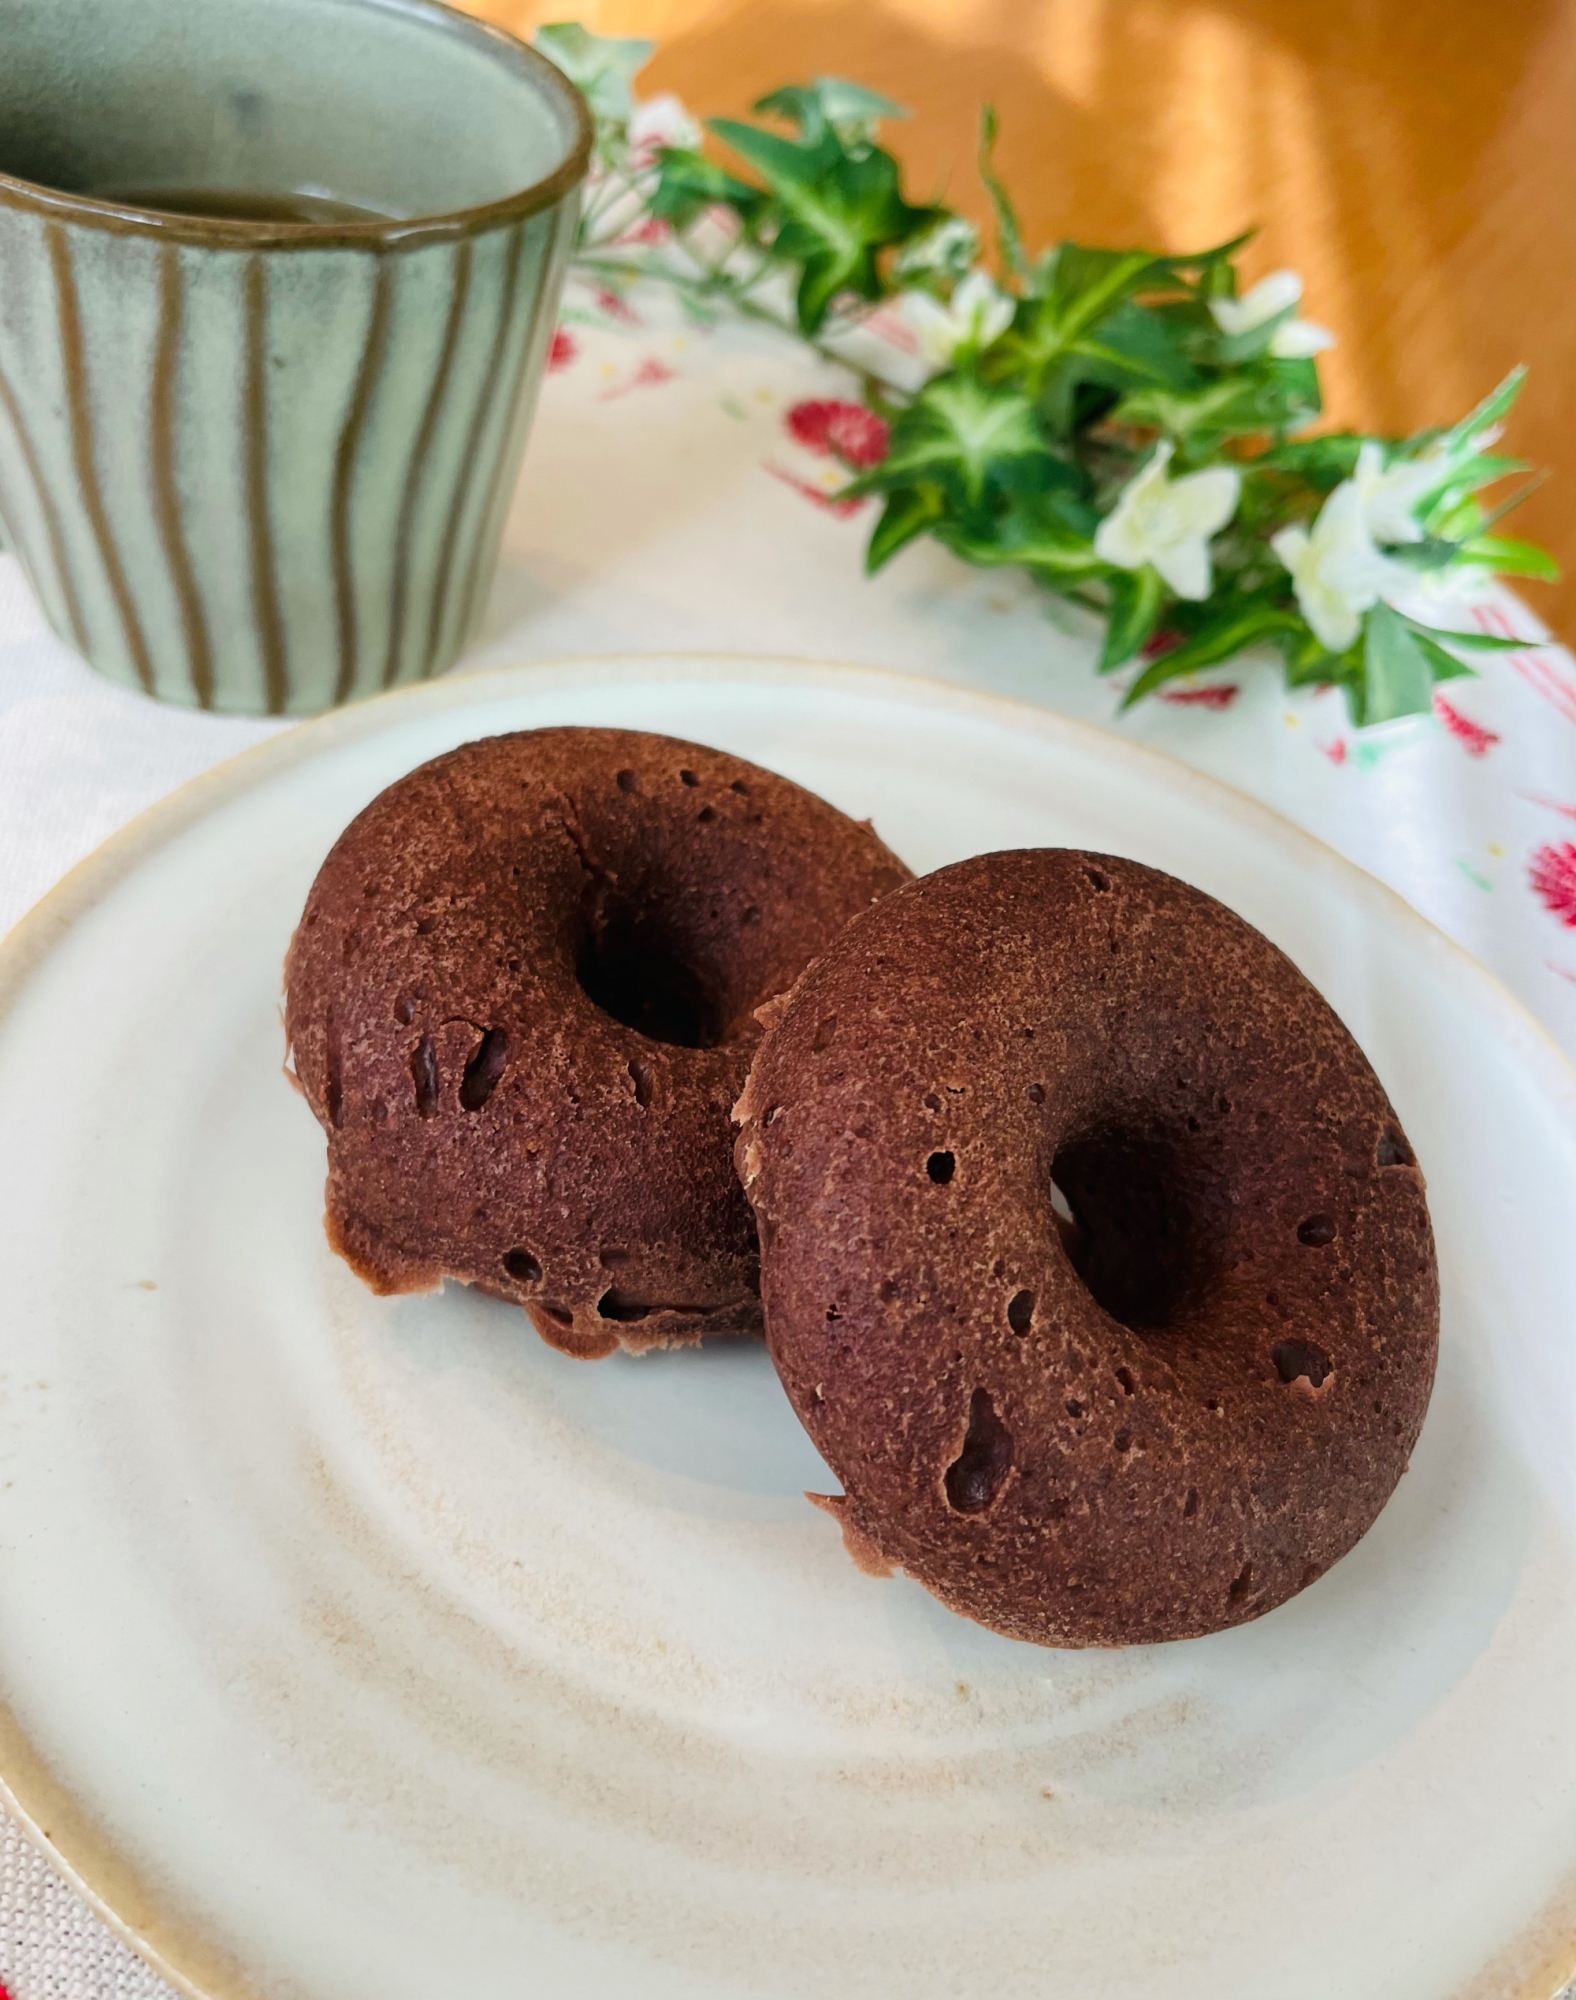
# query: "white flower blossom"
[[1294, 339], [661, 121], [976, 314], [950, 249], [1390, 494], [1169, 522], [1336, 570]]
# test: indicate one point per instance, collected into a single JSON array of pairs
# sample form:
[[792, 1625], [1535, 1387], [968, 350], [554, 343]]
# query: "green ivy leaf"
[[1509, 557], [688, 184], [1473, 642], [1398, 676], [1137, 598], [1054, 347], [1234, 405], [909, 511], [971, 441], [1323, 461], [1445, 666], [1049, 534], [835, 211], [1494, 407], [1231, 627], [1058, 557]]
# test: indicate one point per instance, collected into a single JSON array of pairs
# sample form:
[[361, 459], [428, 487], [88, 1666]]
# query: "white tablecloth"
[[674, 498]]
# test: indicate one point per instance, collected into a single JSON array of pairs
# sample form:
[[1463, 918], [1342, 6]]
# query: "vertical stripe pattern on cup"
[[166, 488], [79, 414], [344, 466], [60, 560], [254, 439]]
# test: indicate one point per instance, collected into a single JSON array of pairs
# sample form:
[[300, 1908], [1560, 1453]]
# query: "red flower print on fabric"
[[831, 502], [1220, 694], [650, 229], [1472, 736], [616, 307], [839, 430], [1552, 873], [651, 374], [563, 350]]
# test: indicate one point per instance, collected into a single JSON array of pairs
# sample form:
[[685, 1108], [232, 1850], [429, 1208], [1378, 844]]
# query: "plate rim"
[[109, 1883]]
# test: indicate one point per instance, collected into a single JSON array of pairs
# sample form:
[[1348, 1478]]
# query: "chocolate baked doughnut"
[[1172, 1405], [521, 1002]]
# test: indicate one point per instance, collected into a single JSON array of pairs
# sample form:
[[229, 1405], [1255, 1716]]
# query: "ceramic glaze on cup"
[[256, 465]]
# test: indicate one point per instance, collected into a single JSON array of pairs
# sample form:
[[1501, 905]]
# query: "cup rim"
[[397, 232]]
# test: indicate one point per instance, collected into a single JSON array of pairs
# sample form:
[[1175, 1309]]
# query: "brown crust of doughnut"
[[1062, 1472], [574, 1164]]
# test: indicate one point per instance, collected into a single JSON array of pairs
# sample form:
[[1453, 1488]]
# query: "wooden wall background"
[[1414, 159]]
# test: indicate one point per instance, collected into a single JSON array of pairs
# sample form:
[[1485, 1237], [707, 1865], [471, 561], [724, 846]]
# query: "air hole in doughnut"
[[941, 1167], [559, 1315], [611, 1259], [1190, 1504], [1123, 1441], [1098, 878], [640, 1077], [1316, 1231], [1301, 1357], [616, 1303], [334, 1088], [522, 1267], [1125, 1377], [424, 1075], [1140, 1238], [1392, 1150], [1020, 1312], [405, 1009], [932, 1101], [1241, 1584], [706, 815], [1036, 1093], [484, 1069], [688, 778], [1074, 1407], [822, 1038], [627, 781], [738, 785], [975, 1476], [632, 966]]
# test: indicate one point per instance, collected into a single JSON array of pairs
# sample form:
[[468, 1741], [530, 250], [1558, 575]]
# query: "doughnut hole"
[[636, 964], [1143, 1243]]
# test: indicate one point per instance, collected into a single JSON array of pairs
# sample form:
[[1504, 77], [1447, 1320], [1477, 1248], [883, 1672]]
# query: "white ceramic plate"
[[365, 1648]]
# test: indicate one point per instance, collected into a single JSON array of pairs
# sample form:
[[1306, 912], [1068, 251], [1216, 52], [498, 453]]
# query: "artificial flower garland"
[[1122, 424]]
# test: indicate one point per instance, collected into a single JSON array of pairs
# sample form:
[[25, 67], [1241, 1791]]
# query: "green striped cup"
[[277, 279]]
